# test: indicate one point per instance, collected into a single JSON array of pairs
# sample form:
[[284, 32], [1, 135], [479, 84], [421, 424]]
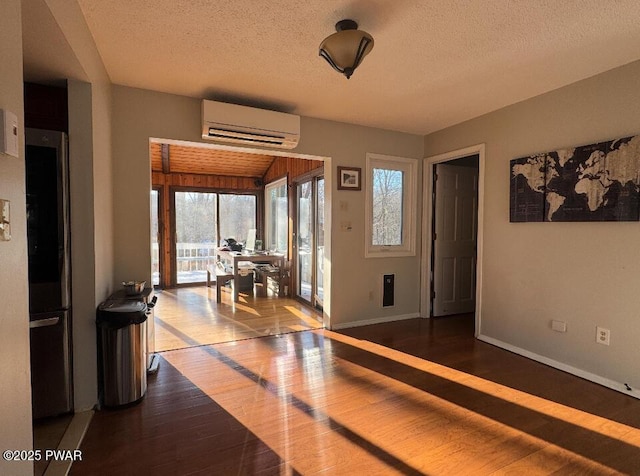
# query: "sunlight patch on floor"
[[311, 321], [299, 389], [297, 436], [246, 308], [191, 316], [552, 409]]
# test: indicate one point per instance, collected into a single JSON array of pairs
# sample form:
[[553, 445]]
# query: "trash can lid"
[[121, 313]]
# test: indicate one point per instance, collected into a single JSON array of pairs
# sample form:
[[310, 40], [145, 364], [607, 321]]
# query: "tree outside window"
[[237, 216], [390, 206], [276, 216], [387, 206]]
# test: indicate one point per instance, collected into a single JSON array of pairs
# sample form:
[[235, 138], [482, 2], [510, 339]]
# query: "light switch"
[[344, 205], [8, 133], [5, 220]]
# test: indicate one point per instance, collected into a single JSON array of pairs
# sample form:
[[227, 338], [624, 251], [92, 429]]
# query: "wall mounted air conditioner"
[[249, 126]]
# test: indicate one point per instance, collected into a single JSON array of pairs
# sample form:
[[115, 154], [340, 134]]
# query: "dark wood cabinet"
[[45, 107]]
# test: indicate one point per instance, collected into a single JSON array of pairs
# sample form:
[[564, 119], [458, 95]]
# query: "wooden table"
[[232, 258]]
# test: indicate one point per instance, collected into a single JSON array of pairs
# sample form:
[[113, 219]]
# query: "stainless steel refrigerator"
[[47, 187]]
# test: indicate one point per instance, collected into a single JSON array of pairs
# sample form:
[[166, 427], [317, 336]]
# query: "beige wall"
[[585, 274], [353, 276], [82, 246], [91, 186], [140, 114], [15, 396], [101, 249], [92, 225]]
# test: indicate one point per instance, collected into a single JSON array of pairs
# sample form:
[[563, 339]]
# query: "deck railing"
[[191, 260], [195, 256]]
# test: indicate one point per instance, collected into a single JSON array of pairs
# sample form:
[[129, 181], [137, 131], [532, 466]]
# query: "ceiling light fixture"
[[345, 49]]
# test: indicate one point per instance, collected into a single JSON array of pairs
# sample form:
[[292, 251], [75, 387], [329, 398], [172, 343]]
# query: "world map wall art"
[[597, 182]]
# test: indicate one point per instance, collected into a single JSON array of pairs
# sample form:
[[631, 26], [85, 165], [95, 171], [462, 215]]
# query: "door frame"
[[163, 281], [427, 227], [329, 185]]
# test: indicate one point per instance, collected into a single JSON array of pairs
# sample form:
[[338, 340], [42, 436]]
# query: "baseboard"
[[70, 441], [620, 387], [377, 320]]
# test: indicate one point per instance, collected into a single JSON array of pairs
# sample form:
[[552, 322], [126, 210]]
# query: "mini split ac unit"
[[247, 125]]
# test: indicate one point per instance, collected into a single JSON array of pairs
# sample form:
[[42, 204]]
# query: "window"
[[237, 215], [276, 216], [390, 206]]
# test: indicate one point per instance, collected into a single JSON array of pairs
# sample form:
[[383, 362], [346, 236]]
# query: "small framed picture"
[[349, 178]]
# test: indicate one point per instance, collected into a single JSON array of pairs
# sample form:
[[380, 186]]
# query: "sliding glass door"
[[202, 219], [276, 217], [309, 239], [305, 240], [156, 238], [319, 235], [195, 235]]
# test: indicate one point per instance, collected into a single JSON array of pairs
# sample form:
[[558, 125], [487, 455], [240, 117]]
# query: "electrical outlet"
[[559, 326], [603, 336]]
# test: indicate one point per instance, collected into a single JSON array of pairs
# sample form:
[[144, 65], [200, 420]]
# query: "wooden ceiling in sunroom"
[[169, 158]]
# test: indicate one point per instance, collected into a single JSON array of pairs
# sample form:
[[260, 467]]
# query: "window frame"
[[409, 201], [267, 212]]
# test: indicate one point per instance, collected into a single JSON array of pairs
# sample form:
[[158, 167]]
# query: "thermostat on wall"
[[8, 133]]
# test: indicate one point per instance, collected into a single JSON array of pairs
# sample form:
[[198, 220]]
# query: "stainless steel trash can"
[[122, 351]]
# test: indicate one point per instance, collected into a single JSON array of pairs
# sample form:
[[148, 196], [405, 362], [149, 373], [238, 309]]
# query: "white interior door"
[[454, 240]]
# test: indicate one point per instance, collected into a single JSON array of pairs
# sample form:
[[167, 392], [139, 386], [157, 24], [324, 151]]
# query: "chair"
[[222, 278]]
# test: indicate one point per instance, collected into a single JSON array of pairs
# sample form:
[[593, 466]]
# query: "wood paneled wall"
[[293, 166], [204, 181]]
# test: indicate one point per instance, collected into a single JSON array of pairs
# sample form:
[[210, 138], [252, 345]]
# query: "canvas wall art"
[[596, 182]]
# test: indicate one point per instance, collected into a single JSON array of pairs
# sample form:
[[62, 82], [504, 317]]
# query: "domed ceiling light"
[[345, 49]]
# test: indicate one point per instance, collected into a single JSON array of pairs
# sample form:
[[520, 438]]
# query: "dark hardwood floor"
[[409, 397]]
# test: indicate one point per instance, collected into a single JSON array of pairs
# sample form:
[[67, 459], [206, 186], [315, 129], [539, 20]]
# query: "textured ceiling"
[[435, 62]]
